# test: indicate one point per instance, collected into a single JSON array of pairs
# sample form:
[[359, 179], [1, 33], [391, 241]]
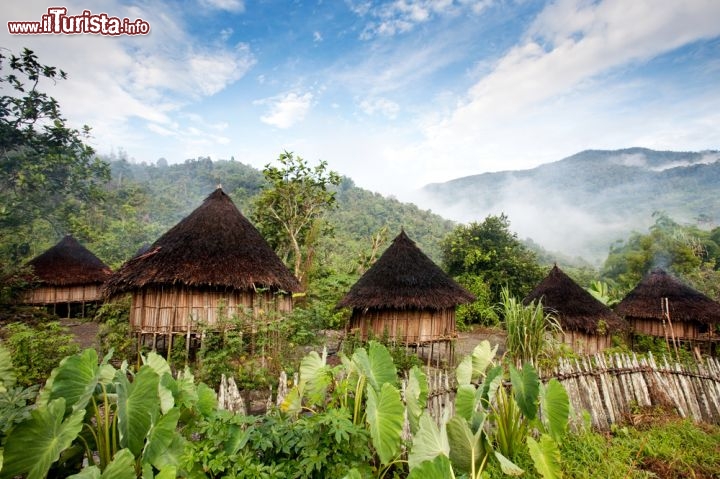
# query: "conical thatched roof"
[[575, 308], [404, 278], [215, 246], [69, 263], [686, 303]]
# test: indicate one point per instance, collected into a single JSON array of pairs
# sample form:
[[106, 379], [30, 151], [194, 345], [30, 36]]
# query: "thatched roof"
[[686, 303], [69, 263], [405, 278], [214, 246], [575, 308]]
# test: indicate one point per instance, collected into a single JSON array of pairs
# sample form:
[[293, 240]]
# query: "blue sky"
[[395, 94]]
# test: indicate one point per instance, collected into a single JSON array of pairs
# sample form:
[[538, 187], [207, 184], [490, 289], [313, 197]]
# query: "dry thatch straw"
[[686, 303], [69, 263], [215, 247], [405, 278], [575, 308]]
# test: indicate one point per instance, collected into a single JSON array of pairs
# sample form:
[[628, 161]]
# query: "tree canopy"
[[685, 250], [290, 211], [489, 250], [46, 168]]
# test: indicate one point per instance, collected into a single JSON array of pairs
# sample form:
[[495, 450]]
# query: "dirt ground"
[[86, 336], [85, 332]]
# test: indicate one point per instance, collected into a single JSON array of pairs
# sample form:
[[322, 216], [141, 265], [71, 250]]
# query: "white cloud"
[[286, 110], [401, 16], [550, 84], [236, 6], [317, 37], [380, 105]]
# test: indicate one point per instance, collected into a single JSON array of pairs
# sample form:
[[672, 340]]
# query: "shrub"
[[37, 349]]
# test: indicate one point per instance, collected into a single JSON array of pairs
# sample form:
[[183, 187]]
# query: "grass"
[[664, 447]]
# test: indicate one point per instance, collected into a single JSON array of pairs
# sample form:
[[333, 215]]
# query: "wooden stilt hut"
[[661, 305], [67, 278], [212, 265], [406, 298], [588, 325]]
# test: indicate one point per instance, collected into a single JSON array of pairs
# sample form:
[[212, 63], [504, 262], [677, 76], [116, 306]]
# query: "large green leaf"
[[376, 365], [482, 357], [526, 388], [138, 407], [428, 443], [315, 377], [466, 448], [36, 443], [385, 415], [465, 401], [353, 474], [438, 468], [507, 466], [157, 363], [75, 380], [472, 368], [545, 456], [555, 408], [121, 467], [416, 393], [463, 372], [7, 371], [207, 400], [159, 449], [168, 387]]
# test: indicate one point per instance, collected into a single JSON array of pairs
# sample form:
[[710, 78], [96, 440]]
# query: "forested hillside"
[[143, 201]]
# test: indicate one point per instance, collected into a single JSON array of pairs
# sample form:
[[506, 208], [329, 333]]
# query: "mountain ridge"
[[581, 204]]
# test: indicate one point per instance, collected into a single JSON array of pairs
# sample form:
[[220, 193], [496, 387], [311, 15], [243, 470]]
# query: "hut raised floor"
[[425, 331], [65, 301]]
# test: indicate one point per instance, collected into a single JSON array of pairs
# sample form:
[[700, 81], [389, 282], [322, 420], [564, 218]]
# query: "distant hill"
[[583, 203], [160, 195]]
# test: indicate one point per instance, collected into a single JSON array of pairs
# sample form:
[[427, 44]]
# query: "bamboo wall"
[[684, 330], [405, 326], [181, 310], [81, 293], [583, 343]]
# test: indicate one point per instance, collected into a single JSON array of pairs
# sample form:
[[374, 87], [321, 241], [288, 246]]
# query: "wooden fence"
[[609, 388]]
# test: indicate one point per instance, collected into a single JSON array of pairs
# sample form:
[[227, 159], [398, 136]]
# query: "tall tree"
[[44, 164], [290, 211], [684, 250], [492, 252]]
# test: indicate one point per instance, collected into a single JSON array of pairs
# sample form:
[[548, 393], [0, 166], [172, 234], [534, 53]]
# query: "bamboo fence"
[[610, 388]]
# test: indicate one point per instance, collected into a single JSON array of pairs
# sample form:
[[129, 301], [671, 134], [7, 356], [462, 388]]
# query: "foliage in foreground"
[[665, 447]]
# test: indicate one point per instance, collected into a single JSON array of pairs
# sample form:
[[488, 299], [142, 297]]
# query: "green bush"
[[37, 349]]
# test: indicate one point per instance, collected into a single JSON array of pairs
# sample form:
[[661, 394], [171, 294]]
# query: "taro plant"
[[494, 420], [365, 388], [119, 421]]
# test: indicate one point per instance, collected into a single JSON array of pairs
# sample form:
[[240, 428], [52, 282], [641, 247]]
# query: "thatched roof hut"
[[405, 296], [68, 273], [587, 324], [693, 315], [212, 260]]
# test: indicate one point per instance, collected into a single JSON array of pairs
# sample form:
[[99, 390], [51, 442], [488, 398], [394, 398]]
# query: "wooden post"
[[666, 314]]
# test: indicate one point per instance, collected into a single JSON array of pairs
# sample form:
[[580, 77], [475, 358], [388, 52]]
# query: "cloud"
[[317, 37], [236, 6], [401, 16], [286, 110], [551, 85], [380, 105]]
